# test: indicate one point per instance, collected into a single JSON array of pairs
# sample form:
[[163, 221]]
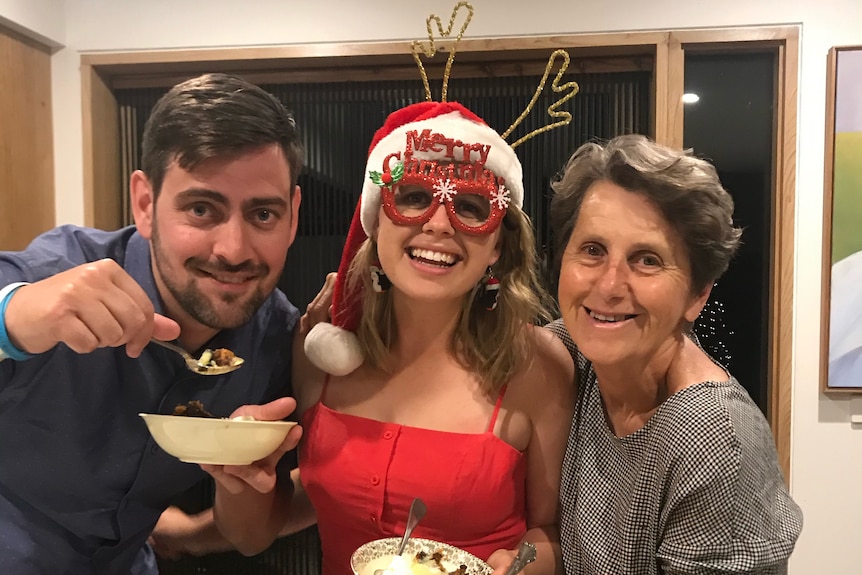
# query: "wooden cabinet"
[[26, 141]]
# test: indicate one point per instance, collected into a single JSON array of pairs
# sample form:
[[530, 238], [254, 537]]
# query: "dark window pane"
[[732, 125]]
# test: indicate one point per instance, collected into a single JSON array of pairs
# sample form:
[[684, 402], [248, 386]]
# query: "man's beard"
[[195, 303]]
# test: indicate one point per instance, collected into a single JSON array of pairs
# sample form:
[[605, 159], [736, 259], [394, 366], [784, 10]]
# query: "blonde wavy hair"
[[494, 344]]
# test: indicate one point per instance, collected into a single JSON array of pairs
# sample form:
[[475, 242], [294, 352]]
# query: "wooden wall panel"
[[104, 189], [26, 141]]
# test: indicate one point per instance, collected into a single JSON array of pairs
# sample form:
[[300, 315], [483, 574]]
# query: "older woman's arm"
[[547, 395], [728, 508]]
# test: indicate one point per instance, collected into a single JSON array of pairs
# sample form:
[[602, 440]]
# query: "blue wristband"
[[6, 347]]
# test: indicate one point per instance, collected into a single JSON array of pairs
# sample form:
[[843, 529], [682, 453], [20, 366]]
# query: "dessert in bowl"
[[203, 438], [420, 557]]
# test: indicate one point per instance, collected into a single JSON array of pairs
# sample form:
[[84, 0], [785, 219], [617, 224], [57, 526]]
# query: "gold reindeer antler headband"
[[431, 49], [447, 150], [563, 117]]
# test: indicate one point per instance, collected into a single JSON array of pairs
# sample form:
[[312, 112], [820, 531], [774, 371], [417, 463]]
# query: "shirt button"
[[387, 435], [375, 480], [373, 519]]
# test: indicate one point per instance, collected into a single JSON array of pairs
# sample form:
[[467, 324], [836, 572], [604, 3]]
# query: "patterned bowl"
[[378, 554]]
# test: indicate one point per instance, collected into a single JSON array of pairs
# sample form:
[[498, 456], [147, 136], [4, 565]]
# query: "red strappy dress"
[[362, 474]]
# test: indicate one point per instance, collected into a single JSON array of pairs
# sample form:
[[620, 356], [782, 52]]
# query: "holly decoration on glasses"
[[390, 178]]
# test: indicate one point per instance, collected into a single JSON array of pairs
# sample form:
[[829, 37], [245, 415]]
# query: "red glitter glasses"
[[474, 206]]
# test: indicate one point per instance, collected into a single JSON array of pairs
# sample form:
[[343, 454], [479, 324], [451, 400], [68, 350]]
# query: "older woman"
[[670, 466]]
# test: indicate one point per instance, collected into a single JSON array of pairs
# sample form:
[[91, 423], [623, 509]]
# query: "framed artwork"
[[841, 333]]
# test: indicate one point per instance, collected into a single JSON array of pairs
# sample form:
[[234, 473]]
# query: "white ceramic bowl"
[[378, 554], [216, 441]]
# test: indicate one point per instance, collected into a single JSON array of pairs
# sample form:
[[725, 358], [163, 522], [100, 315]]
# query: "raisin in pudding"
[[194, 408], [220, 357]]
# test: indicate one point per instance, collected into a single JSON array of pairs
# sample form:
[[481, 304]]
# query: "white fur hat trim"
[[333, 349]]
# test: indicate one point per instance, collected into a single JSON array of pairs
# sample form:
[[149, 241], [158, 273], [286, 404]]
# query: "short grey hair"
[[686, 191]]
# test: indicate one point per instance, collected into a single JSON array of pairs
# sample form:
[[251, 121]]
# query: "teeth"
[[433, 256], [230, 279], [608, 318]]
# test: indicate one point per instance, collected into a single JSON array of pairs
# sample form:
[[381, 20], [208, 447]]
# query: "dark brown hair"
[[216, 116]]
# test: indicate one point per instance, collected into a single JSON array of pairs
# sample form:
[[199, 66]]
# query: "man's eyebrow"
[[218, 197], [265, 202], [195, 193]]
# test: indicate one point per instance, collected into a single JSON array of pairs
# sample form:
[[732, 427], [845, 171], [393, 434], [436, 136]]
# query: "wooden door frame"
[[102, 73]]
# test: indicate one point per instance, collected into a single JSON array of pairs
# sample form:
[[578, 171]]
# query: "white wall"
[[826, 471], [42, 20]]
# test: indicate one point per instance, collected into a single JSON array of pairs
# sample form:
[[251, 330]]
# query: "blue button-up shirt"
[[81, 481]]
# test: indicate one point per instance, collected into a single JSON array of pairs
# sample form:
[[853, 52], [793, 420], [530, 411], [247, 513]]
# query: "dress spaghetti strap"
[[496, 409], [323, 390]]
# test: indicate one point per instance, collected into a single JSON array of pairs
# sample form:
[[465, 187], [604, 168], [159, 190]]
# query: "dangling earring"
[[492, 291], [379, 282]]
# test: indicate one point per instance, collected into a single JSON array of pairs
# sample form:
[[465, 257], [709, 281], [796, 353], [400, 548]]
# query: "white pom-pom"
[[333, 349]]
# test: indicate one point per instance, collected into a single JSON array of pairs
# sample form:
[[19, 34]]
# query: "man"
[[216, 205]]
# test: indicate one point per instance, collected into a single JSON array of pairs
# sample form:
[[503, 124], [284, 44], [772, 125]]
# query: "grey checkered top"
[[697, 490]]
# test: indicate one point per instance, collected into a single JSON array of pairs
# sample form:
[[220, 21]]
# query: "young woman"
[[448, 392]]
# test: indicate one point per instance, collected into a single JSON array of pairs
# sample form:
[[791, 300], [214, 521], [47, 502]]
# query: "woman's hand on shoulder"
[[320, 308]]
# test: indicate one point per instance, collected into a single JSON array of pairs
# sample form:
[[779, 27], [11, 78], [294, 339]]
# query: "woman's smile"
[[432, 257], [609, 318]]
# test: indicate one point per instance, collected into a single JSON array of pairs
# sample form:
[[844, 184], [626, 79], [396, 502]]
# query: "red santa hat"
[[444, 127]]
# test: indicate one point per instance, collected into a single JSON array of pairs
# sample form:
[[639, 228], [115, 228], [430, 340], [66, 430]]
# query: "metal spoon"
[[197, 367], [526, 555], [417, 512]]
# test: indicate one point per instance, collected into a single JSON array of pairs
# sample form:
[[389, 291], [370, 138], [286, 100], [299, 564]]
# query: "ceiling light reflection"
[[690, 98]]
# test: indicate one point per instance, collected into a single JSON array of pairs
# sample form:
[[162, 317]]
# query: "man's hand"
[[260, 475], [177, 533], [90, 306], [320, 308]]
